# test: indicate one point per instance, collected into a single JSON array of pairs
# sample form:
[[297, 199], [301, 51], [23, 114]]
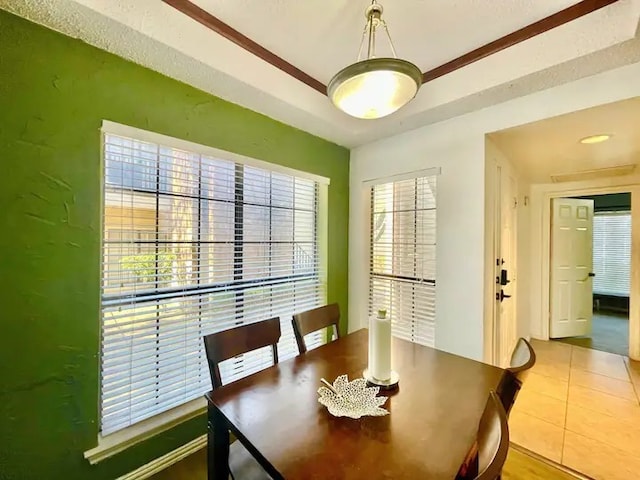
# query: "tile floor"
[[581, 408]]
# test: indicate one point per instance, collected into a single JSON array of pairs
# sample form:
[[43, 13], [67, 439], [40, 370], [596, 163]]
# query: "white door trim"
[[545, 229], [490, 354], [495, 325], [494, 167]]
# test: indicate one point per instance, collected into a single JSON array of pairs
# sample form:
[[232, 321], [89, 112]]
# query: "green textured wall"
[[54, 93]]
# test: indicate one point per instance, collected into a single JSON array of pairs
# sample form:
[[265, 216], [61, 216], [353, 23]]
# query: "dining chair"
[[489, 452], [230, 343], [310, 321], [523, 359]]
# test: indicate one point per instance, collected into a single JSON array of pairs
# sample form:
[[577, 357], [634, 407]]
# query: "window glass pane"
[[130, 163], [257, 260], [282, 225], [257, 185], [217, 179], [178, 172], [129, 241], [283, 190], [216, 221], [257, 219], [304, 226], [283, 261]]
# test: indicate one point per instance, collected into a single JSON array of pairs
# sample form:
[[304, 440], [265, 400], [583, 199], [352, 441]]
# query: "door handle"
[[591, 275], [501, 296]]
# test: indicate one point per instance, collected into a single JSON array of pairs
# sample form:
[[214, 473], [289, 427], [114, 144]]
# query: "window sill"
[[117, 442]]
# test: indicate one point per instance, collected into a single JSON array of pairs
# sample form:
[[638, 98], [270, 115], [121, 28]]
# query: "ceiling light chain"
[[374, 87], [374, 20], [393, 49], [364, 35]]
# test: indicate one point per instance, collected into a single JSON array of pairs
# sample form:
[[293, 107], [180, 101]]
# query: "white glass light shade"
[[374, 88]]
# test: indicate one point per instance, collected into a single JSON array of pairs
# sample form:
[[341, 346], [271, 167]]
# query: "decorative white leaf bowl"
[[352, 399]]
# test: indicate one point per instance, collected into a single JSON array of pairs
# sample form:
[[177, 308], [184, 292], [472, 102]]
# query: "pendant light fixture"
[[374, 87]]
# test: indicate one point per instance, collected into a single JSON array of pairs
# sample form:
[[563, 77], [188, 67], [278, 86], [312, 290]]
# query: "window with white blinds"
[[403, 256], [194, 245], [612, 253]]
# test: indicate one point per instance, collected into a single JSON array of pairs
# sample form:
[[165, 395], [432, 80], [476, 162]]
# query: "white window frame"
[[109, 445]]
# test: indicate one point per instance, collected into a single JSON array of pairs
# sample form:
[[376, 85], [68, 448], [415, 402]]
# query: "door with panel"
[[571, 264]]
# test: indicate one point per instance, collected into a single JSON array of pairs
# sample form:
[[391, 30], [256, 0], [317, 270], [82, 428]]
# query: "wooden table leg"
[[217, 445]]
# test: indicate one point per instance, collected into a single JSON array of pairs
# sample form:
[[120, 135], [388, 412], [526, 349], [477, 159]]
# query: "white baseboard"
[[166, 460]]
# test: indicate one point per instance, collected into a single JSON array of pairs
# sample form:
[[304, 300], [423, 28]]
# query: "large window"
[[612, 253], [195, 244], [403, 256]]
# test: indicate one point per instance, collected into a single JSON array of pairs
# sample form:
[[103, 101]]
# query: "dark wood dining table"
[[433, 417]]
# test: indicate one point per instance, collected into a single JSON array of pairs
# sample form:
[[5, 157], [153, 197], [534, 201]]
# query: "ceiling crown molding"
[[212, 22], [541, 26]]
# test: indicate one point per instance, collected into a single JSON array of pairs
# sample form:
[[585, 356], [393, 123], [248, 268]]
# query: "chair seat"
[[242, 464]]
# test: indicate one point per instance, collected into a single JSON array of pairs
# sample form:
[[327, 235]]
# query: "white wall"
[[457, 146], [460, 194]]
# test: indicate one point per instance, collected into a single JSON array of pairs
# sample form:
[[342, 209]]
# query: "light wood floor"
[[519, 466], [522, 466]]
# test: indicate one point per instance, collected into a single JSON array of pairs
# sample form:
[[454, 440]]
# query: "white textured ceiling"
[[321, 37], [552, 146]]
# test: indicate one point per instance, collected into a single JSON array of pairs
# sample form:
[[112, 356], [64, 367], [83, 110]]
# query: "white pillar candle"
[[380, 346]]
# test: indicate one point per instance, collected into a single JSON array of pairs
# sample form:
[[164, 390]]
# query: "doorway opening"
[[575, 399], [590, 271]]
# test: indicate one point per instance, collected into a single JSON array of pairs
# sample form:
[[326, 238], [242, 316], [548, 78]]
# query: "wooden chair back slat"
[[230, 343], [487, 455], [310, 321], [493, 439], [522, 360]]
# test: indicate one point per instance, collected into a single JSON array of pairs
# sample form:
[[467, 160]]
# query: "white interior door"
[[571, 294], [506, 268]]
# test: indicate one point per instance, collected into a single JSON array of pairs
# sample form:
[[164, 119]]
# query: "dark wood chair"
[[225, 345], [522, 359], [313, 320], [489, 452]]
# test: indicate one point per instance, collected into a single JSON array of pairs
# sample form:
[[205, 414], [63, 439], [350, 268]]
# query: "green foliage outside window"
[[144, 266]]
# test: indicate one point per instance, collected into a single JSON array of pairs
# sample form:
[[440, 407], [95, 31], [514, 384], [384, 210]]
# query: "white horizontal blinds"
[[403, 256], [195, 245], [612, 253]]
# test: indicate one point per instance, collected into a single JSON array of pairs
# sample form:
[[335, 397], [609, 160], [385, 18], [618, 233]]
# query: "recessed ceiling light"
[[595, 138]]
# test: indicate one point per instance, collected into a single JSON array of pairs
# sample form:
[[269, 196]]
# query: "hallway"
[[581, 408]]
